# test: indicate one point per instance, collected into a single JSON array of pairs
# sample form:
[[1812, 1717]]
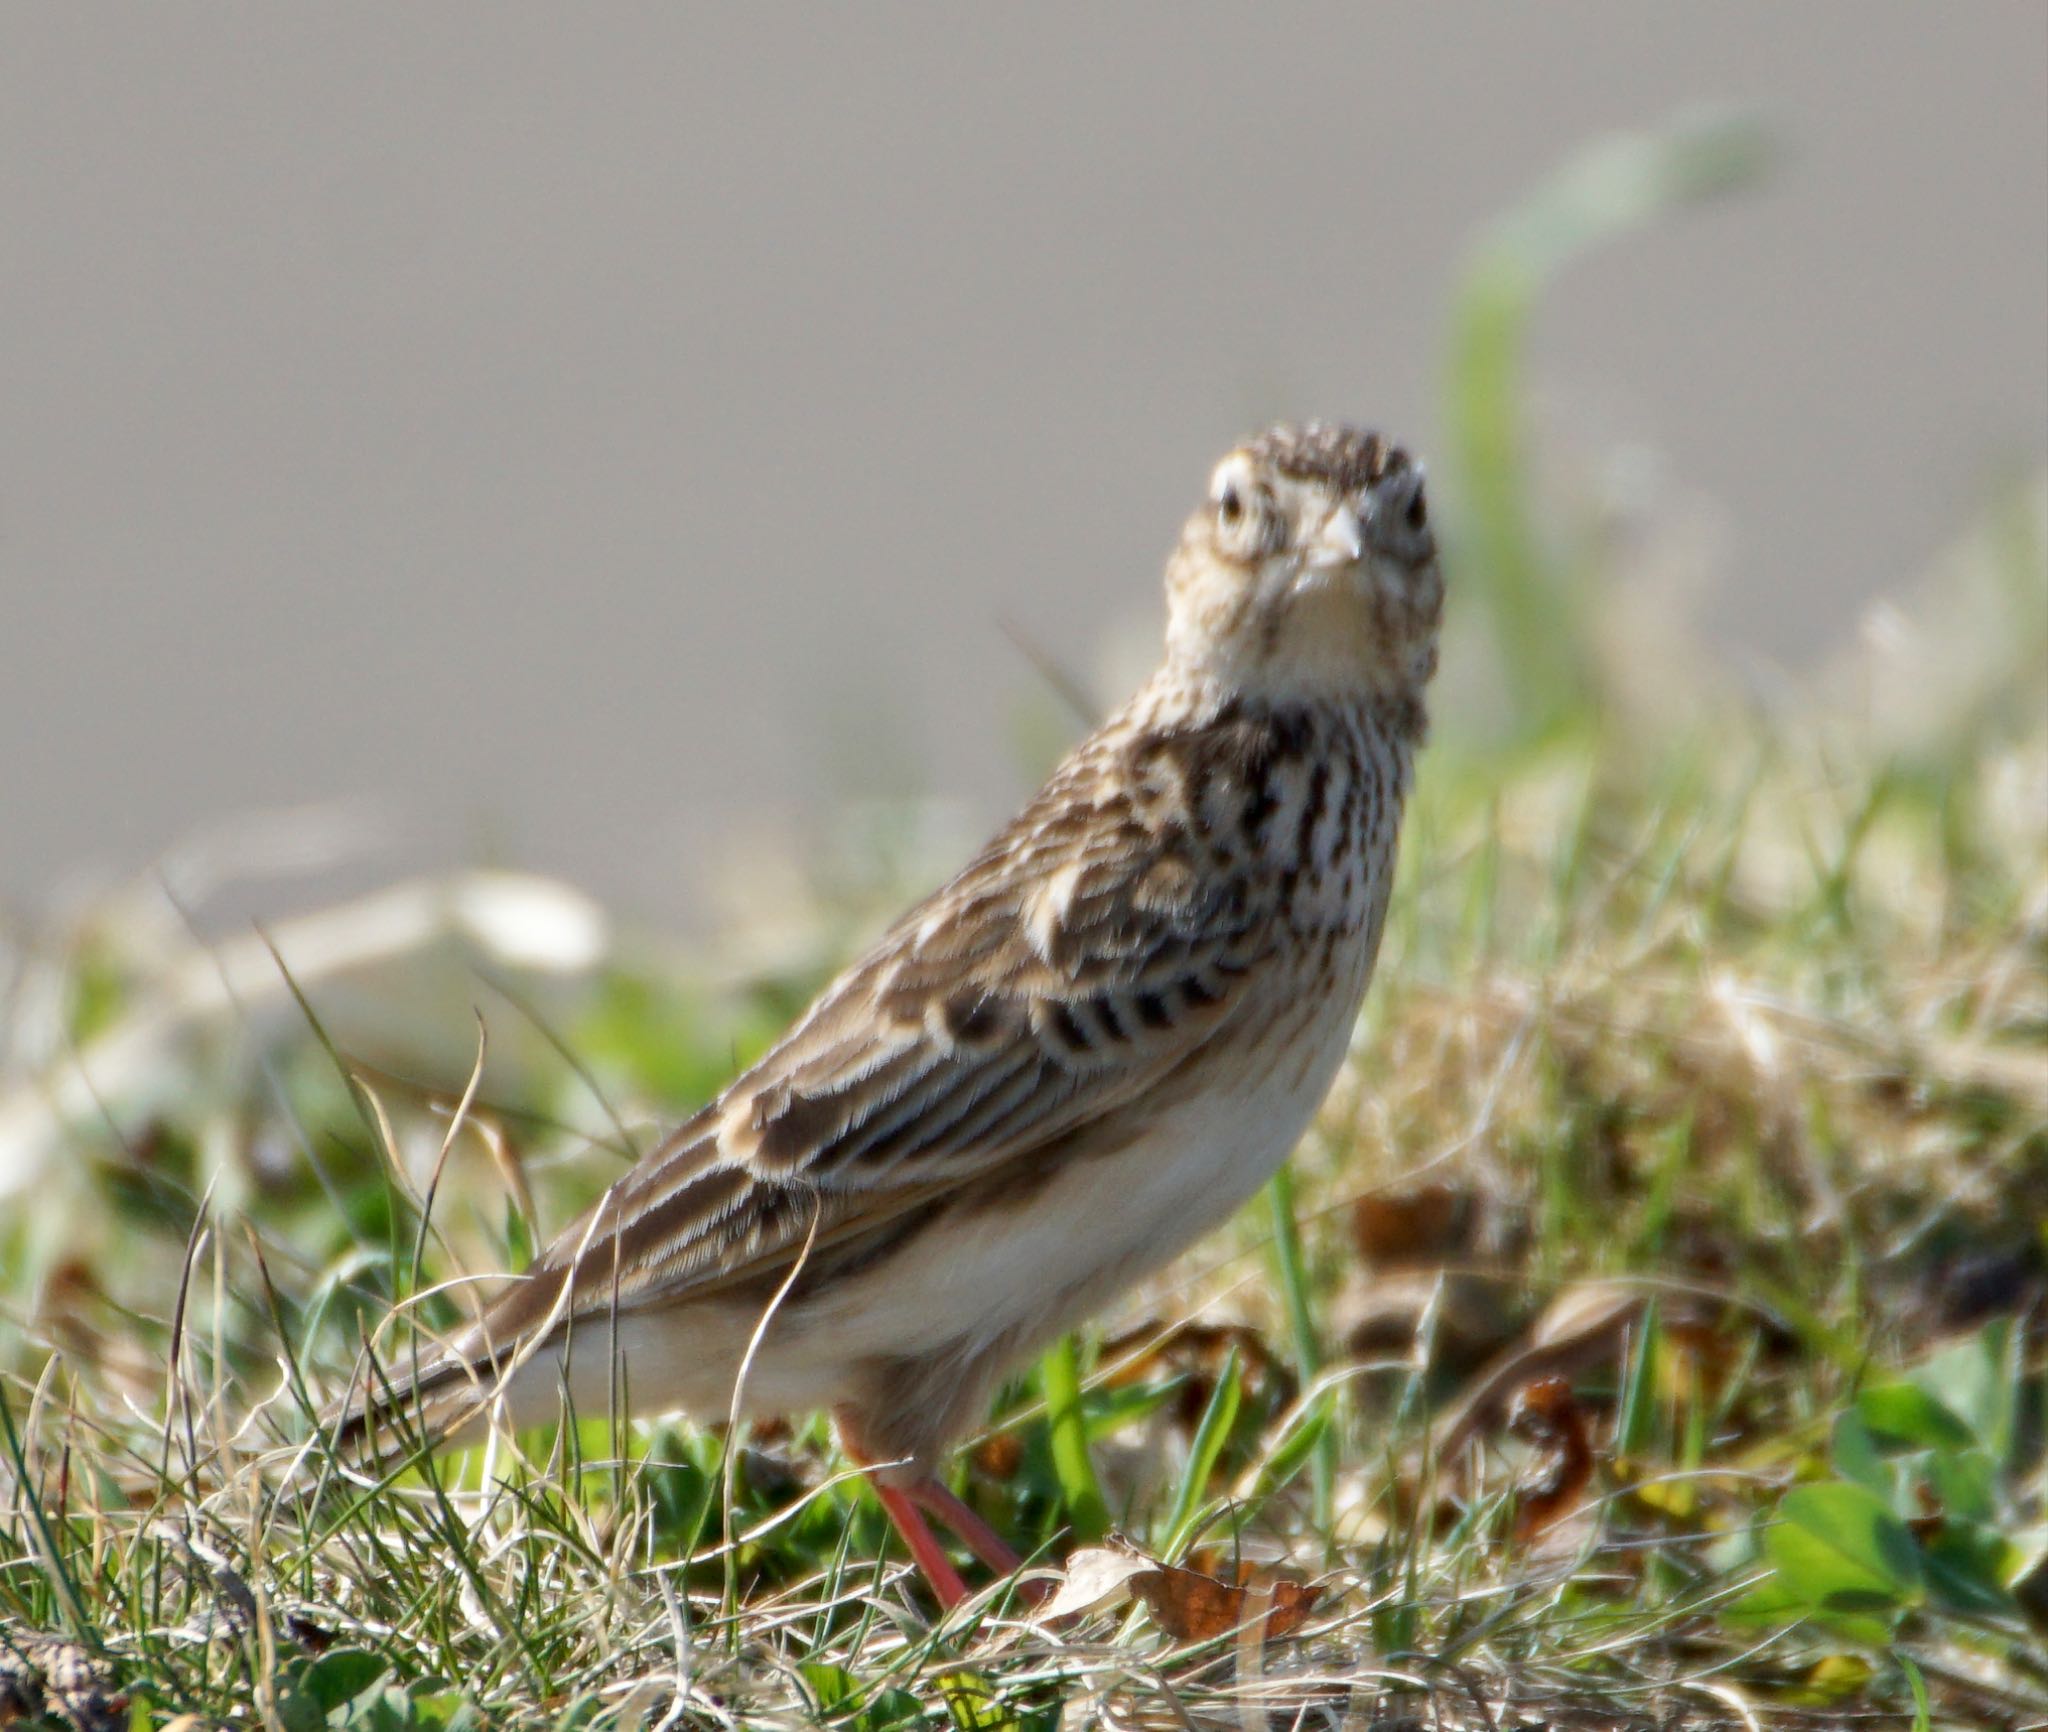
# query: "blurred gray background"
[[586, 429]]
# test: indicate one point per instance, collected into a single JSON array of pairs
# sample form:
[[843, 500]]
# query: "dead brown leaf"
[[1096, 1578], [1429, 1223], [1463, 1318], [1197, 1352], [1000, 1455], [1189, 1605], [1547, 1414], [1583, 1325], [1192, 1607]]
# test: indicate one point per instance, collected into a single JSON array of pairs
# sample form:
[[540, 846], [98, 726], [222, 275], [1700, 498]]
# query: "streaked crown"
[[1344, 459]]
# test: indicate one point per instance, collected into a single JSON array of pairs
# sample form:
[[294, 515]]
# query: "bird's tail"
[[397, 1411], [389, 1415], [395, 1414]]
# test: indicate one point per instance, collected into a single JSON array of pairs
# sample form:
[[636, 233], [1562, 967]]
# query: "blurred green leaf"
[[1977, 1379], [1905, 1414], [656, 1036], [1964, 1483], [342, 1674], [97, 992], [1108, 1411], [1296, 1448], [1970, 1567], [831, 1686], [1838, 1550], [892, 1710], [974, 1706], [1859, 1456]]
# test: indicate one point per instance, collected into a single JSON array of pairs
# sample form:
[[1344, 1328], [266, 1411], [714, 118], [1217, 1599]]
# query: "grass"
[[1651, 1334]]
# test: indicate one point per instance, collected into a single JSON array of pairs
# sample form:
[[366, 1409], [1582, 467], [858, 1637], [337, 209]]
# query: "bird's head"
[[1310, 571]]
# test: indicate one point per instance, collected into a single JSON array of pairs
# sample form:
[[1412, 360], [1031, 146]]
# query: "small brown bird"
[[1047, 1078]]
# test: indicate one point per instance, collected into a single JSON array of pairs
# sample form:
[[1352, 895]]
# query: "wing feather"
[[1082, 957]]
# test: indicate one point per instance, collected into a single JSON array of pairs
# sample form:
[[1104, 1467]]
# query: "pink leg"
[[906, 1505], [923, 1543], [982, 1540]]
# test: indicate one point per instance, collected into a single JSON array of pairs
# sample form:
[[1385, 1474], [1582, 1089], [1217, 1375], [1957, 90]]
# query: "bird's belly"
[[987, 1275], [996, 1271], [1008, 1266]]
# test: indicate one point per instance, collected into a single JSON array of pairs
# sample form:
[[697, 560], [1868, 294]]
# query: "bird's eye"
[[1229, 507]]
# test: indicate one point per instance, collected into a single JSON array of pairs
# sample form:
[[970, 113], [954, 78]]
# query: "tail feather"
[[387, 1418], [413, 1401]]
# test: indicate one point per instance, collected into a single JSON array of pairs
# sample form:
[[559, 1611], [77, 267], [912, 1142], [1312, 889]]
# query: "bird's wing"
[[1091, 950]]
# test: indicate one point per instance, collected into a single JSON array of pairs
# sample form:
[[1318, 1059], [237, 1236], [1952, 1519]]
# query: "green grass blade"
[[1059, 1376], [1291, 1269], [1218, 1416]]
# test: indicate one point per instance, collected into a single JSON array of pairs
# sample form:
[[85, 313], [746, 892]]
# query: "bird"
[[1051, 1075]]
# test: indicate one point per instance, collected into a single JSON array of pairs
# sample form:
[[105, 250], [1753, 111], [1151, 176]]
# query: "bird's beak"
[[1340, 542]]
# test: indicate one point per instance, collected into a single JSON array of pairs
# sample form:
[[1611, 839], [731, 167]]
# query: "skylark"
[[1055, 1072]]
